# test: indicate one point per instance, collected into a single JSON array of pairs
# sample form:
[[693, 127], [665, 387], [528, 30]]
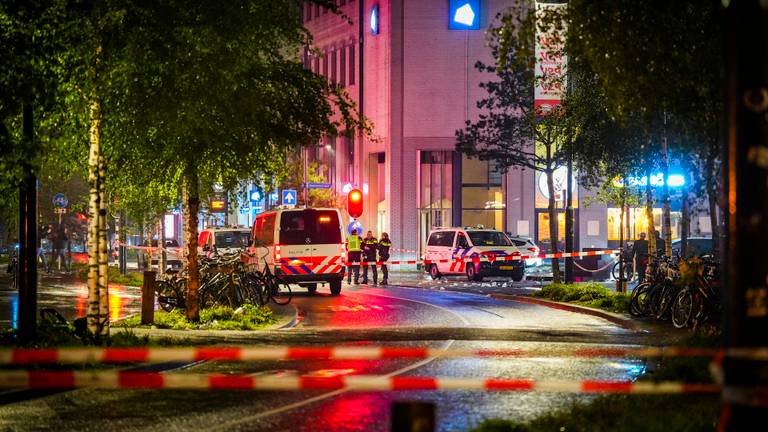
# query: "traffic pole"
[[569, 219], [746, 274], [27, 323]]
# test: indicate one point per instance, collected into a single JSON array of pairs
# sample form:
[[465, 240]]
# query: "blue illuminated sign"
[[375, 19], [657, 180], [464, 15]]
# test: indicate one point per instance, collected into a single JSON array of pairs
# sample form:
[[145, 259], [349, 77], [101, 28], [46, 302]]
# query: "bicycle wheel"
[[256, 292], [280, 292], [638, 299], [682, 308], [167, 297]]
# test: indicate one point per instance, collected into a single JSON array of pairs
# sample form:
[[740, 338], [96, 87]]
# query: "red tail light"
[[277, 253]]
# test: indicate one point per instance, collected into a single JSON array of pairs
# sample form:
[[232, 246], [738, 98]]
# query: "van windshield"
[[310, 227], [232, 239], [489, 238]]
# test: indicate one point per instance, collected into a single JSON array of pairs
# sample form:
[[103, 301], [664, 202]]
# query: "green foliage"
[[587, 294], [215, 318]]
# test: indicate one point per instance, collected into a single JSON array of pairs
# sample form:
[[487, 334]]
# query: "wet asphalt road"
[[371, 315]]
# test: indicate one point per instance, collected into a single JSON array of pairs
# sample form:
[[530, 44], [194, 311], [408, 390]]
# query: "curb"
[[617, 319], [289, 317]]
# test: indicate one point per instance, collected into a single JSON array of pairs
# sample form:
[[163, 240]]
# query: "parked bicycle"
[[699, 301], [625, 258]]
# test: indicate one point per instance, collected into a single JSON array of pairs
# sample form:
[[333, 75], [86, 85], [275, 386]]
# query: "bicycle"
[[700, 301], [628, 262]]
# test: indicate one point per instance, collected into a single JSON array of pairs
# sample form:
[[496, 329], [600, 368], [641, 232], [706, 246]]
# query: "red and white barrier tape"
[[490, 258], [25, 356], [157, 380]]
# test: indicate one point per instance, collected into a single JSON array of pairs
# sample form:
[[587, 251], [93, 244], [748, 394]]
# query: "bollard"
[[413, 417], [148, 298]]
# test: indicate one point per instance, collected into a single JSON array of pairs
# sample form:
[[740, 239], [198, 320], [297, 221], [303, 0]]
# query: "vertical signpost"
[[549, 89], [746, 296], [60, 203]]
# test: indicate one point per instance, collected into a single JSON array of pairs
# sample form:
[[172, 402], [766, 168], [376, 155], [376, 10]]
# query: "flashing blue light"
[[675, 180], [375, 19], [464, 15]]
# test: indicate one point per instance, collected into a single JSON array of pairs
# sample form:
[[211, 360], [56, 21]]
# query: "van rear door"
[[327, 241], [295, 243]]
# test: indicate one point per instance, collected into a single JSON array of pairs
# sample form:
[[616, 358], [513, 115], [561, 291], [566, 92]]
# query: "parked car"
[[526, 246], [223, 240], [303, 246], [446, 244], [697, 246], [173, 253]]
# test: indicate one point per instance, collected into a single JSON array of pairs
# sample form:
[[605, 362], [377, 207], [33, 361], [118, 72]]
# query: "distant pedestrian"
[[354, 252], [639, 254], [60, 248], [384, 245], [42, 244], [370, 248]]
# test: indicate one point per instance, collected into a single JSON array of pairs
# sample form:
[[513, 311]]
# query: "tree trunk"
[[94, 154], [666, 212], [553, 226], [649, 216], [620, 286], [191, 200], [103, 253], [162, 257], [685, 224], [713, 195]]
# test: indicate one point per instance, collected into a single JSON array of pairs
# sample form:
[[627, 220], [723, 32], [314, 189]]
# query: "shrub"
[[215, 318], [588, 294]]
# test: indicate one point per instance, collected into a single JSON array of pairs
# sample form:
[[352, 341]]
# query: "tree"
[[510, 130], [220, 96], [658, 62]]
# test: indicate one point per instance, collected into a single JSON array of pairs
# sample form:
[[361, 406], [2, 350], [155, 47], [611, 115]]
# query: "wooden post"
[[148, 298]]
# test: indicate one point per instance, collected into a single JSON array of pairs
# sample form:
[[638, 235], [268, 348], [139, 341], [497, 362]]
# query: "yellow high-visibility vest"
[[353, 243]]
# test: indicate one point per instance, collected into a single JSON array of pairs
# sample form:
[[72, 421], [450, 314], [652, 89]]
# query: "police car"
[[454, 245], [302, 246]]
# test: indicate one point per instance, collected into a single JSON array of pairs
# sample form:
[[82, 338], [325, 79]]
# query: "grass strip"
[[586, 294]]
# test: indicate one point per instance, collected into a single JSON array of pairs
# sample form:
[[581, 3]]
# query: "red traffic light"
[[355, 203]]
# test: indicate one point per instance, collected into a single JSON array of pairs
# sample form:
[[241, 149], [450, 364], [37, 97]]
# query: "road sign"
[[60, 200], [60, 210], [318, 185], [289, 197], [255, 196], [355, 225]]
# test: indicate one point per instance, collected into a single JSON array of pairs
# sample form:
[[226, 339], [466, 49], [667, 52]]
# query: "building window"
[[307, 12], [343, 66], [349, 150], [482, 194], [325, 64], [317, 10], [435, 178], [351, 65]]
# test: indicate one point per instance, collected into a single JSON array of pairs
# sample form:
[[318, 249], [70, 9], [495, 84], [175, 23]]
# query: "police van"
[[455, 245], [302, 246], [212, 241]]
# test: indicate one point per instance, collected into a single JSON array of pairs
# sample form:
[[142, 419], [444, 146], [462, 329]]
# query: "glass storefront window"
[[638, 223], [435, 191], [482, 194]]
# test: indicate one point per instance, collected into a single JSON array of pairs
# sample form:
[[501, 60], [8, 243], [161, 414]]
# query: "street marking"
[[324, 396]]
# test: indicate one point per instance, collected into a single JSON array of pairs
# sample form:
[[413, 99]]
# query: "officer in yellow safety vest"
[[354, 252]]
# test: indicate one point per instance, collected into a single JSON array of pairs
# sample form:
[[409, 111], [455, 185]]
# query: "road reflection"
[[71, 301]]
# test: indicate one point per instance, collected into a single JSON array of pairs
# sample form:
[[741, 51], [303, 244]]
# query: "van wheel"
[[311, 288], [434, 273], [336, 287], [472, 274]]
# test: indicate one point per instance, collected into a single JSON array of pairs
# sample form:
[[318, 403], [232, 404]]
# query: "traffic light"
[[355, 203]]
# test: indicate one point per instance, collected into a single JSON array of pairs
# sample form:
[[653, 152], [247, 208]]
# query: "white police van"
[[302, 246], [454, 245]]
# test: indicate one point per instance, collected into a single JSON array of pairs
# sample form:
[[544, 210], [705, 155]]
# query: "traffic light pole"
[[569, 220], [746, 274]]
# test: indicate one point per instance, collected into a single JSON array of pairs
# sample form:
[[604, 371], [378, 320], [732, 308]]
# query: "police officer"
[[384, 244], [354, 243], [370, 247]]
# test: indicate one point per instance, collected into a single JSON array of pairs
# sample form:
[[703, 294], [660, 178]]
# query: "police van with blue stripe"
[[451, 249]]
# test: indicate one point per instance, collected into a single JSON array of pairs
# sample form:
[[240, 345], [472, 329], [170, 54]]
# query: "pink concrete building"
[[418, 84]]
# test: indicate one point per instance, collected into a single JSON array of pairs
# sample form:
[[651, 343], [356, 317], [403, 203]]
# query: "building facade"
[[412, 62]]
